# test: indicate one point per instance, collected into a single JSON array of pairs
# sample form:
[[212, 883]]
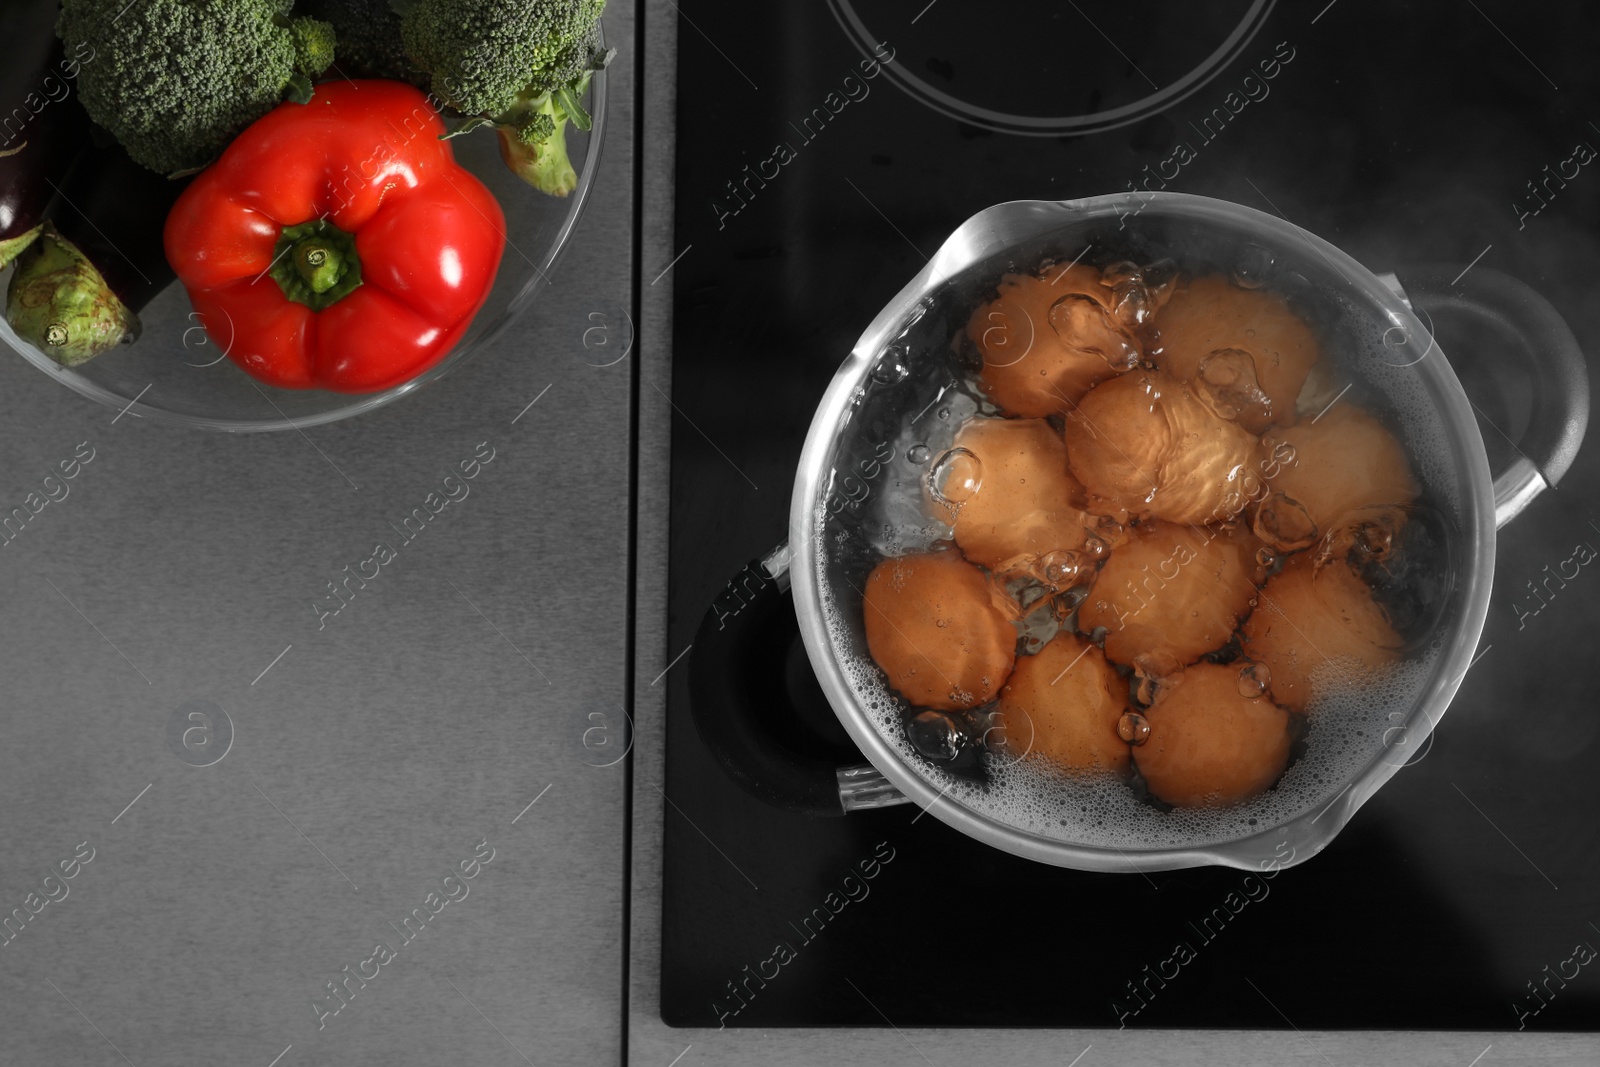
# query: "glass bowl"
[[175, 374]]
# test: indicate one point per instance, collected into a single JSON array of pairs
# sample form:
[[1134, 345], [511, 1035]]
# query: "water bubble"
[[919, 454], [944, 413], [890, 369], [1284, 523], [1095, 548], [936, 735], [1226, 383], [1254, 678], [956, 477], [1029, 576], [1061, 569], [1253, 267], [1120, 273], [1133, 728], [961, 698], [1266, 557], [1160, 278], [1131, 298], [1082, 324], [1109, 532]]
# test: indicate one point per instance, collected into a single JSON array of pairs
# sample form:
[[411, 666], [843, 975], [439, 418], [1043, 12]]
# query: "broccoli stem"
[[533, 141], [542, 164]]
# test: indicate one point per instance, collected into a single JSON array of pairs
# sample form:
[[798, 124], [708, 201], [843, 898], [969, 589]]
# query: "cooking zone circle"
[[1090, 69]]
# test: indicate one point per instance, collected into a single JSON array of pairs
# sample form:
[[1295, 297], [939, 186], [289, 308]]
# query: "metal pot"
[[847, 469]]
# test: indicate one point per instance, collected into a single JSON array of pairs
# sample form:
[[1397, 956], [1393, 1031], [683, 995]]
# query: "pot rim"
[[990, 232]]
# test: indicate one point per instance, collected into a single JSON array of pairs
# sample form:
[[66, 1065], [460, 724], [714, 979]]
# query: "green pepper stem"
[[320, 265], [315, 264]]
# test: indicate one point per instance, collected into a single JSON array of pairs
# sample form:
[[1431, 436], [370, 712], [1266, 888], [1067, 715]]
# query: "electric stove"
[[824, 151]]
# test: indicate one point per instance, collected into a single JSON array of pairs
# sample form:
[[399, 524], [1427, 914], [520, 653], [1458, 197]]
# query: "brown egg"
[[1243, 349], [1211, 745], [1306, 618], [1063, 704], [1047, 340], [1016, 493], [937, 627], [1144, 446], [1322, 474], [1171, 593]]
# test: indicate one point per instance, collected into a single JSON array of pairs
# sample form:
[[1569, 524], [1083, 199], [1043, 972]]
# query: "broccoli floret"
[[314, 42], [369, 39], [520, 66], [174, 80], [541, 127], [483, 54]]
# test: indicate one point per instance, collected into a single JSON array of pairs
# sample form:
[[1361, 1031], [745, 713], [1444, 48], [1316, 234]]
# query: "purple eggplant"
[[77, 291], [42, 125]]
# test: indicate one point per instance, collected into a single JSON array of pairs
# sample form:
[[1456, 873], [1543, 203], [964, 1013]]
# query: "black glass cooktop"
[[824, 150]]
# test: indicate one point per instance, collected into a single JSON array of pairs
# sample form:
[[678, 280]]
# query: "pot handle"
[[1499, 305], [730, 695]]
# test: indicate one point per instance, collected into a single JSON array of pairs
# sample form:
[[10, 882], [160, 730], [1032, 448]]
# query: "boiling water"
[[924, 386]]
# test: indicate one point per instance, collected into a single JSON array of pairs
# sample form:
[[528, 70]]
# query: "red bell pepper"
[[337, 244]]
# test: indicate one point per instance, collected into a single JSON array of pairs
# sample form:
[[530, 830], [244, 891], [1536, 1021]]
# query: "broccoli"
[[174, 80], [517, 65], [314, 42], [533, 132], [369, 39]]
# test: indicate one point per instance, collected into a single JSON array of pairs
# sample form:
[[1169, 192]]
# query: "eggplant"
[[115, 211], [77, 292], [42, 126]]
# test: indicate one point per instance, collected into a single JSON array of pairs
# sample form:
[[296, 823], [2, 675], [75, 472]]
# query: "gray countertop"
[[369, 759]]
